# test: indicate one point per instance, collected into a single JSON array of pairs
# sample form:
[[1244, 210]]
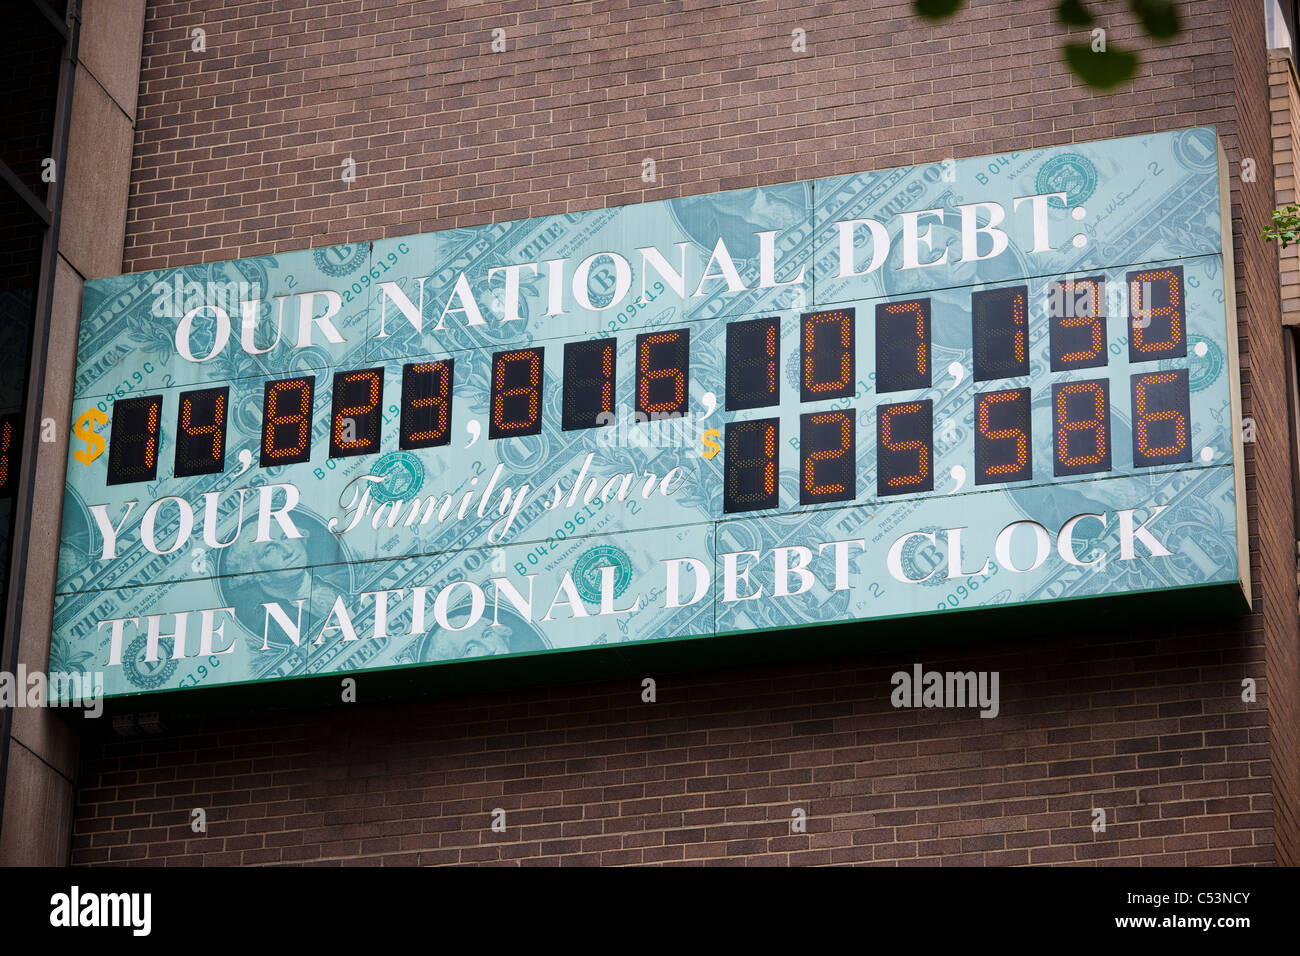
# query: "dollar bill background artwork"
[[367, 591]]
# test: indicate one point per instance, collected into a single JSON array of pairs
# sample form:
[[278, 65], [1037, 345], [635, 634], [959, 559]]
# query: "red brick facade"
[[239, 152]]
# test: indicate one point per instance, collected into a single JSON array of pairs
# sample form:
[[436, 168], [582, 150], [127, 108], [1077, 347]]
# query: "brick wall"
[[1284, 103], [238, 152], [1284, 93]]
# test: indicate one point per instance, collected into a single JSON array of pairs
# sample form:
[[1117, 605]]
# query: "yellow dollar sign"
[[85, 430], [711, 446]]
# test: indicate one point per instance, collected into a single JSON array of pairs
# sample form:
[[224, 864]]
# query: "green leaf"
[[1073, 13], [937, 9], [1159, 17], [1101, 71], [1285, 227]]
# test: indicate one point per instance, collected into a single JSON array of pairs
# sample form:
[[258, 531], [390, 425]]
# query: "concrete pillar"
[[43, 751]]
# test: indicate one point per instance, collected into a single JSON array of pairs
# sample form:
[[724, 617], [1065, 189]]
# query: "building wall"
[[238, 151], [1284, 102], [39, 793]]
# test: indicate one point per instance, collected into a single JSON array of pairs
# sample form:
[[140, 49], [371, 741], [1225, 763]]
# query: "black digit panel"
[[1158, 314], [753, 353], [1000, 332], [516, 393], [1081, 427], [1162, 433], [663, 361], [1077, 317], [903, 345], [355, 417], [201, 432], [588, 384], [826, 355], [133, 444], [426, 404], [9, 435], [1003, 446], [286, 421], [750, 472], [904, 448], [828, 460]]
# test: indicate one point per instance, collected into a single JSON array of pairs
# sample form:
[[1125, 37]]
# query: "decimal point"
[[1200, 348], [1207, 454]]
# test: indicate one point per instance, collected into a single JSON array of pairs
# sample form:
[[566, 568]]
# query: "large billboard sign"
[[899, 393]]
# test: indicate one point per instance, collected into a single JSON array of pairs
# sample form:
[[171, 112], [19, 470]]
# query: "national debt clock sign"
[[918, 391]]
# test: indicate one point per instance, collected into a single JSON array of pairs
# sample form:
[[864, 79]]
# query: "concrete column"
[[43, 751]]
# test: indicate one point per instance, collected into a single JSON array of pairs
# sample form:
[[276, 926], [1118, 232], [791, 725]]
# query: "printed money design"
[[572, 539]]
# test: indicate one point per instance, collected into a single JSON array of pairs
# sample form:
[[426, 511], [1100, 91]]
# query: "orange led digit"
[[1000, 332], [769, 354], [1161, 417], [750, 465], [826, 352], [1081, 418], [201, 433], [753, 350], [425, 405], [516, 393], [1077, 324], [286, 421], [662, 366], [1002, 437], [588, 399], [1158, 327], [133, 441], [905, 448], [827, 447], [355, 418], [903, 345]]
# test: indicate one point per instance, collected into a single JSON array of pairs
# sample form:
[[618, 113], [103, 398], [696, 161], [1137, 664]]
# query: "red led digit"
[[662, 364], [1078, 324], [1161, 410], [1159, 314], [286, 421], [8, 453], [826, 355], [905, 448], [828, 469], [355, 419], [1081, 415], [516, 393], [1002, 436], [426, 405]]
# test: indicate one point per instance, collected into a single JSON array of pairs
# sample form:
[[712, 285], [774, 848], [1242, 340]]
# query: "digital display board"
[[780, 407]]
